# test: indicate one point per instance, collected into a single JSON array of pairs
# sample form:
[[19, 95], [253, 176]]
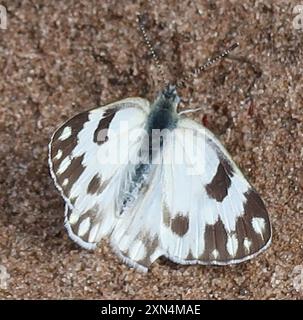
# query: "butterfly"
[[116, 168]]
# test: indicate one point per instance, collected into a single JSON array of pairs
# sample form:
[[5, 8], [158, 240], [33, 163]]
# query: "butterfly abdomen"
[[137, 180]]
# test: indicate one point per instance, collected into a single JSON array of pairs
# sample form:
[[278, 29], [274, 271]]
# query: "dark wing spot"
[[151, 245], [255, 208], [243, 230], [190, 256], [218, 187], [72, 173], [254, 205], [215, 238], [100, 134], [91, 213], [226, 165], [94, 185], [179, 225]]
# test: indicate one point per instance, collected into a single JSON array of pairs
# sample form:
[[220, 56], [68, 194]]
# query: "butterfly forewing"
[[213, 216], [88, 181]]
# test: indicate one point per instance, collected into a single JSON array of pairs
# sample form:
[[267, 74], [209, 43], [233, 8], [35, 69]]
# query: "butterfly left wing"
[[210, 213], [88, 162]]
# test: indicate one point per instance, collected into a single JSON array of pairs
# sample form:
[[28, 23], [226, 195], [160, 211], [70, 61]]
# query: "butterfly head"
[[168, 98]]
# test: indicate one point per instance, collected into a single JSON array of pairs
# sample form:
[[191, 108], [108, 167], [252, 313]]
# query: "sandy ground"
[[60, 59]]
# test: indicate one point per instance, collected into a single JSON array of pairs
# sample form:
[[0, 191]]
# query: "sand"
[[60, 59]]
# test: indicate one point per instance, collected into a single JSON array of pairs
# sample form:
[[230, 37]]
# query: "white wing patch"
[[232, 244], [66, 133], [258, 225]]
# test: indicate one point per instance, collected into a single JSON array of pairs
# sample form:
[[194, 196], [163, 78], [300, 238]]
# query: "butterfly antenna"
[[209, 62], [151, 49]]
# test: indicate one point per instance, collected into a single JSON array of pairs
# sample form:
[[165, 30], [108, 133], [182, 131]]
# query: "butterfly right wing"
[[88, 159]]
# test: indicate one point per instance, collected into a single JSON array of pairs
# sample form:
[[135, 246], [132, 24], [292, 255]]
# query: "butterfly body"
[[160, 198]]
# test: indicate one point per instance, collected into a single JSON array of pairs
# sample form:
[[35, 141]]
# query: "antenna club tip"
[[139, 18], [235, 45]]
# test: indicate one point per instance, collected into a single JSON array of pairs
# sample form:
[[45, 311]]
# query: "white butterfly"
[[148, 210], [155, 183]]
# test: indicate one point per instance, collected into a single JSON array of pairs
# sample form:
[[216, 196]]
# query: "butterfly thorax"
[[163, 113]]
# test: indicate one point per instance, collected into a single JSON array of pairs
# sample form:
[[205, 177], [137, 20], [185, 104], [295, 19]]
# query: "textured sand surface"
[[60, 59]]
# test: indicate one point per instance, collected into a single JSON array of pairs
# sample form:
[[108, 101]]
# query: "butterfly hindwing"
[[135, 237]]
